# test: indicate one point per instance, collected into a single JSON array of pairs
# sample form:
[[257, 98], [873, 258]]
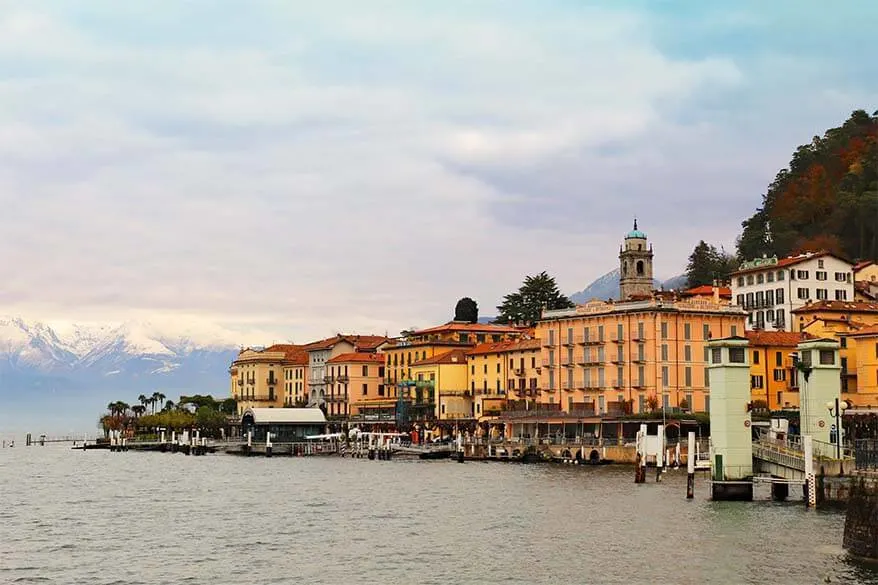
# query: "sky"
[[291, 169]]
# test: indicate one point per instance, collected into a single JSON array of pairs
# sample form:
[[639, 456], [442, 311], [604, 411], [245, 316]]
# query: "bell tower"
[[635, 265]]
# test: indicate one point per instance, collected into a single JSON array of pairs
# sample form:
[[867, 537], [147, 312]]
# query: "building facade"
[[504, 375], [320, 352], [353, 379], [774, 379], [442, 381], [862, 361], [256, 376], [769, 290], [634, 356]]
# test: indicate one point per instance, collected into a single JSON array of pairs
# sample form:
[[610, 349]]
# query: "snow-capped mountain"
[[43, 367]]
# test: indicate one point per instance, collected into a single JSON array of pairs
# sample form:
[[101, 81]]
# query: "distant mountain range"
[[71, 375], [607, 287]]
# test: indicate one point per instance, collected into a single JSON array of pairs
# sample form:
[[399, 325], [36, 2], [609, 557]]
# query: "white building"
[[770, 289], [321, 379]]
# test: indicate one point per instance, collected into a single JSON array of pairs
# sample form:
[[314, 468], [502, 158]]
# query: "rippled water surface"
[[147, 518]]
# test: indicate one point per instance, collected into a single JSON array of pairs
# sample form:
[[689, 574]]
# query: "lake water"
[[149, 518]]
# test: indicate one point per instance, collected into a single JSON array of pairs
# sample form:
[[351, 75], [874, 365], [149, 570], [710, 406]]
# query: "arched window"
[[625, 268], [640, 268]]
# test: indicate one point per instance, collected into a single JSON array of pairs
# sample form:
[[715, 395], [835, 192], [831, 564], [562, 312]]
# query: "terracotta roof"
[[790, 261], [864, 332], [839, 306], [358, 341], [453, 326], [505, 346], [293, 354], [776, 338], [455, 356], [850, 322], [357, 357], [862, 264], [707, 290]]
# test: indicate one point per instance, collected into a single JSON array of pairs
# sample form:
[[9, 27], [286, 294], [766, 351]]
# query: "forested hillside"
[[827, 198]]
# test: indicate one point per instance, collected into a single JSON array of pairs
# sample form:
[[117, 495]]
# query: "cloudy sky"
[[291, 169]]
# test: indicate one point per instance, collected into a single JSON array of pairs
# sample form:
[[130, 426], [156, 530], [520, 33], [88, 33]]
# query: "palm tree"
[[155, 400], [169, 405], [160, 398], [138, 410], [143, 400]]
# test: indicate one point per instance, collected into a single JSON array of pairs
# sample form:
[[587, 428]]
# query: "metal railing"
[[866, 454]]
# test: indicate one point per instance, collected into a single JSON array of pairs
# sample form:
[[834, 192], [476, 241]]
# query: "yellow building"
[[504, 375], [773, 377], [863, 359], [295, 378], [629, 356], [441, 381], [418, 347], [354, 379], [258, 376]]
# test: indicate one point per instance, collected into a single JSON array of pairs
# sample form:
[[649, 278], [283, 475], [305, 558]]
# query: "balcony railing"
[[583, 340], [590, 362], [518, 372], [567, 361], [547, 363], [342, 378], [240, 382], [567, 385], [271, 381], [328, 379]]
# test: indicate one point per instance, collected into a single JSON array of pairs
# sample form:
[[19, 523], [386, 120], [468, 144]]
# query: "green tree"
[[527, 303], [826, 198], [707, 263], [209, 420], [466, 310]]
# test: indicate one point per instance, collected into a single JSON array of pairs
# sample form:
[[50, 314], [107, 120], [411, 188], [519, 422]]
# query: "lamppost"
[[836, 407]]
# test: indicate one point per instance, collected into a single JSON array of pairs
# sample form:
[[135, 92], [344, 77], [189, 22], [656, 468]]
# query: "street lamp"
[[836, 407]]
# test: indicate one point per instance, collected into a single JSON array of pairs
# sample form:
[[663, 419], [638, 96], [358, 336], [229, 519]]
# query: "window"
[[664, 330], [716, 355], [843, 341], [600, 332], [485, 368], [664, 352], [779, 322], [740, 281], [755, 356], [769, 315], [601, 407], [821, 275], [820, 264], [802, 274], [769, 298], [620, 332], [551, 337], [498, 363], [365, 389], [706, 403], [736, 355], [749, 279], [601, 380], [822, 294], [760, 299], [641, 352], [760, 278], [480, 338], [778, 296], [570, 335], [734, 330], [687, 377], [780, 375], [705, 331], [706, 377], [769, 277], [551, 357], [687, 353], [641, 376], [844, 365], [802, 293], [841, 295], [585, 336], [840, 277], [750, 302], [365, 371], [641, 403], [778, 359], [687, 331], [640, 330], [780, 275], [755, 382], [665, 376]]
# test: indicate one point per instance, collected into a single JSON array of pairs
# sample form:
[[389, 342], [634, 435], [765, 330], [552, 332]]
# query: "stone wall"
[[861, 520]]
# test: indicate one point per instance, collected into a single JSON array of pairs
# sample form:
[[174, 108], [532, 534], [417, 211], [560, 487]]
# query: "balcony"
[[550, 342], [328, 379], [271, 381], [638, 360], [617, 339], [583, 340], [618, 384], [567, 361], [568, 385], [589, 362], [618, 359], [549, 363], [342, 378], [569, 341], [518, 372], [240, 382]]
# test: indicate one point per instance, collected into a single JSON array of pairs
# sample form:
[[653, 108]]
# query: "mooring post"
[[810, 482], [690, 467], [268, 444]]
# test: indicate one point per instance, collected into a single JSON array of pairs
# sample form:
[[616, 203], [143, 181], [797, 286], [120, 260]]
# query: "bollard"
[[460, 456], [690, 467], [810, 483]]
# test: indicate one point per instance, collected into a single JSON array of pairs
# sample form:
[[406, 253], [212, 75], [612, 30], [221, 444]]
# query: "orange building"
[[503, 374], [353, 379], [773, 377], [861, 365], [623, 357], [259, 377]]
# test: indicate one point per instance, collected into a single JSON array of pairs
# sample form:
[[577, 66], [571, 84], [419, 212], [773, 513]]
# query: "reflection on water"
[[99, 518]]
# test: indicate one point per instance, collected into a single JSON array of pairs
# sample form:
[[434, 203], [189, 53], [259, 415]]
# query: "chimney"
[[716, 292]]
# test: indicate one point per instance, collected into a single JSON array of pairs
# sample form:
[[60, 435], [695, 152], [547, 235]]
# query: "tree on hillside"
[[707, 264], [827, 199], [466, 310], [527, 303]]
